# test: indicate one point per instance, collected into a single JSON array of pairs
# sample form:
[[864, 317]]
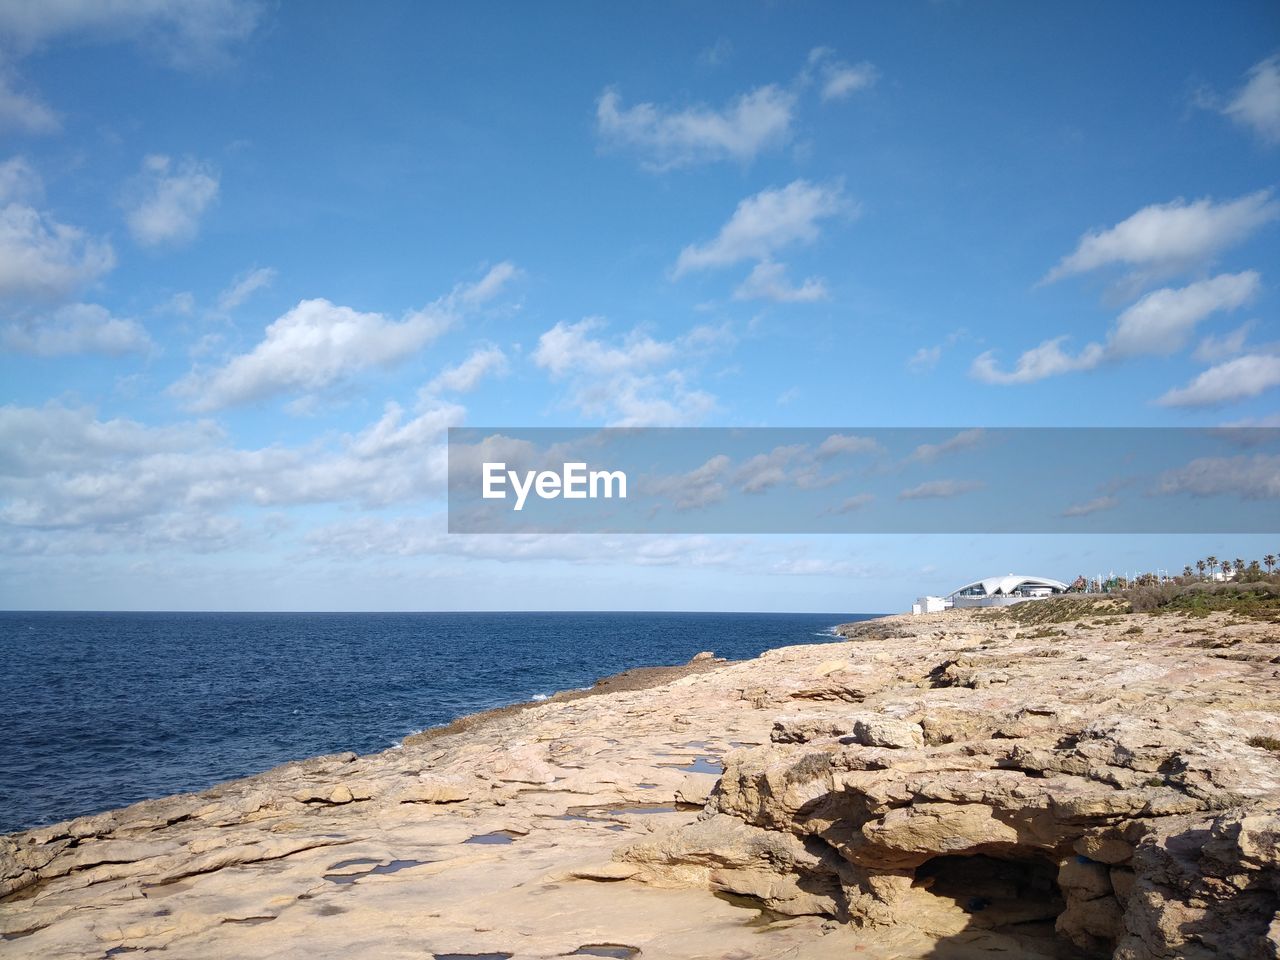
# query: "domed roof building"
[[1006, 590]]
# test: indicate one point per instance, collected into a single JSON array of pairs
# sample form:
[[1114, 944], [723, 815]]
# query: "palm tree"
[[1186, 571], [1269, 561], [1200, 565], [1226, 569], [1212, 561]]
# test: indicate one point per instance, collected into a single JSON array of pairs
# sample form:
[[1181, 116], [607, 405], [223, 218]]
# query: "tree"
[[1200, 565], [1238, 566], [1226, 568], [1269, 561], [1212, 561], [1186, 571]]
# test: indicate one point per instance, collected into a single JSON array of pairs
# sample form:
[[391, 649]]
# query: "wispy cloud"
[[1158, 324], [195, 33], [765, 223], [76, 328], [319, 343], [244, 286], [1164, 239], [666, 137], [940, 489], [1256, 105], [837, 80], [168, 200], [1252, 477], [1238, 379], [768, 281], [23, 112], [1096, 505], [632, 381], [964, 440], [41, 258], [464, 377]]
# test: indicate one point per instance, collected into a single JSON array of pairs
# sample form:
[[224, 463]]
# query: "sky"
[[257, 258]]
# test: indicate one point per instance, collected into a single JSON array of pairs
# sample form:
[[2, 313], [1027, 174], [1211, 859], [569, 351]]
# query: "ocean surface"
[[98, 710]]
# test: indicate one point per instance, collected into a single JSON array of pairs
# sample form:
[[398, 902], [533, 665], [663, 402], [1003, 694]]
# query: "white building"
[[1006, 590], [929, 605]]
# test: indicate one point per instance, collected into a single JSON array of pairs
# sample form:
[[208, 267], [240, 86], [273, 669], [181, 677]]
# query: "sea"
[[99, 710]]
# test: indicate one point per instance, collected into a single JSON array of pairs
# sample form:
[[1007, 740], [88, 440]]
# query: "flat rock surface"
[[952, 785]]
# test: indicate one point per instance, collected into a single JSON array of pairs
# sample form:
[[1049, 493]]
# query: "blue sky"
[[256, 258]]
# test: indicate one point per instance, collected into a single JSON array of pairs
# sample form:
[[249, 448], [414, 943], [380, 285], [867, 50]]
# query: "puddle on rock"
[[394, 866], [701, 765], [357, 862], [497, 836], [620, 810], [155, 891], [619, 951]]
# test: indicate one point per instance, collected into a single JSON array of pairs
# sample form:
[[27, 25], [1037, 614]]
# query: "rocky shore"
[[1061, 779]]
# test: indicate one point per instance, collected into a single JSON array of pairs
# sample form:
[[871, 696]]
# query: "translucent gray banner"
[[864, 480]]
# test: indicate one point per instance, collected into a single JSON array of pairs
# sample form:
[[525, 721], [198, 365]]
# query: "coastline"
[[1074, 753]]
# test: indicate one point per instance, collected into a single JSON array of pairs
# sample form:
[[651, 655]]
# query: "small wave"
[[539, 697]]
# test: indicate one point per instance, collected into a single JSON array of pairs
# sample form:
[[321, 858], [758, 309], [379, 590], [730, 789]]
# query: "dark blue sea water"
[[98, 710]]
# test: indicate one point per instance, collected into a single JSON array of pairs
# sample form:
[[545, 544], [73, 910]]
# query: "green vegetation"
[[1256, 600], [1063, 609], [1266, 743]]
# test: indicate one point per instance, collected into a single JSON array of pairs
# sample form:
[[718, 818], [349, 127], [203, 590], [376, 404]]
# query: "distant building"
[[929, 605], [1006, 590]]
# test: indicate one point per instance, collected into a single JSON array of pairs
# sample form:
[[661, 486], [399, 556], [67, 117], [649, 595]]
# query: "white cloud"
[[188, 34], [1096, 505], [244, 286], [623, 381], [1257, 104], [1158, 324], [925, 359], [1212, 348], [700, 487], [765, 471], [844, 443], [1238, 379], [60, 467], [839, 79], [765, 223], [939, 489], [1251, 477], [23, 112], [318, 343], [1161, 322], [853, 504], [41, 258], [19, 181], [666, 138], [1046, 360], [1163, 239], [312, 346], [169, 199], [77, 328], [768, 281], [964, 440], [466, 376]]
